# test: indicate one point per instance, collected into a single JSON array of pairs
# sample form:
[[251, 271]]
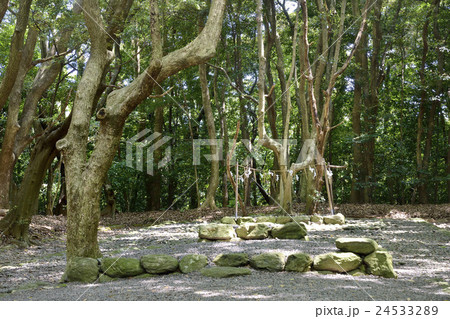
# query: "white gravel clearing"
[[420, 251]]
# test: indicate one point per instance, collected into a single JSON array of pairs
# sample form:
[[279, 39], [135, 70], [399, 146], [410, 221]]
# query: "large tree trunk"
[[16, 222], [15, 52], [86, 177], [7, 155]]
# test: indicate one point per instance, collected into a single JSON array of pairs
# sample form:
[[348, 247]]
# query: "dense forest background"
[[388, 110]]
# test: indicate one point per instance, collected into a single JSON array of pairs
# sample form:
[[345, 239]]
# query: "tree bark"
[[3, 7], [86, 177], [210, 201], [15, 52]]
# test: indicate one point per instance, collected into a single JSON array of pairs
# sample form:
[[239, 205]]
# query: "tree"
[[86, 177]]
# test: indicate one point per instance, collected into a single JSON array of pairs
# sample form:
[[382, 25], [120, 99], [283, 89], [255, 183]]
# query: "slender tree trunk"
[[3, 7], [210, 201]]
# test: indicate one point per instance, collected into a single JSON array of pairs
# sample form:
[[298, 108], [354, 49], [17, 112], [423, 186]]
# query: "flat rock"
[[338, 262], [379, 263], [228, 220], [242, 220], [216, 232], [82, 269], [253, 231], [298, 262], [290, 231], [231, 260], [121, 267], [363, 246], [159, 264], [268, 261], [224, 272], [337, 219], [191, 263], [266, 219], [317, 219]]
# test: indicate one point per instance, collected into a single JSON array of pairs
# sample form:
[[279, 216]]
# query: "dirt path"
[[420, 251]]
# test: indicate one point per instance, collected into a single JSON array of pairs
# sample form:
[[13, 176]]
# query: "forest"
[[122, 112]]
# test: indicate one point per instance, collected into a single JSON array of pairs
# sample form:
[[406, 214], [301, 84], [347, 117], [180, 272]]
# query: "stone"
[[121, 267], [357, 273], [337, 219], [302, 219], [266, 219], [82, 269], [338, 262], [289, 231], [225, 272], [105, 278], [231, 260], [159, 264], [191, 263], [363, 246], [242, 220], [228, 220], [298, 262], [253, 231], [284, 219], [379, 263], [216, 232], [268, 261], [317, 219]]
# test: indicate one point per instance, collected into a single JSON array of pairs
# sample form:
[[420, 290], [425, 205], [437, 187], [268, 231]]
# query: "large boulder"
[[266, 219], [268, 261], [337, 219], [363, 246], [224, 272], [242, 220], [228, 220], [299, 262], [231, 260], [190, 263], [216, 232], [159, 264], [253, 231], [289, 231], [121, 267], [82, 269], [379, 263], [338, 262]]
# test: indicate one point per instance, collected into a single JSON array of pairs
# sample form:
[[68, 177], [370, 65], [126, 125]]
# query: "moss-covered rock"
[[289, 231], [253, 231], [231, 260], [268, 261], [242, 220], [216, 232], [299, 262], [337, 219], [159, 264], [302, 219], [82, 269], [266, 219], [316, 219], [191, 263], [338, 262], [379, 263], [228, 220], [224, 272], [363, 246], [284, 219], [121, 267], [105, 278]]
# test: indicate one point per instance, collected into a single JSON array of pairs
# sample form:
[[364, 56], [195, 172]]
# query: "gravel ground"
[[420, 251]]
